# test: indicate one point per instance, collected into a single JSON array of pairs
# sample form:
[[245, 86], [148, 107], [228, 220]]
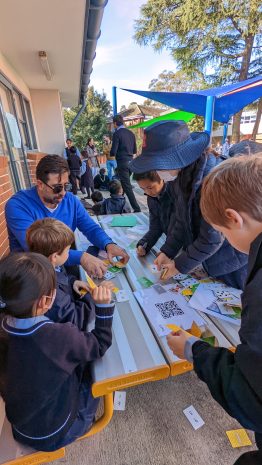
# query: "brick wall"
[[33, 159], [5, 193]]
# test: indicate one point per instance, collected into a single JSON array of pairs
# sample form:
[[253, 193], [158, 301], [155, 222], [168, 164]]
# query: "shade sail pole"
[[114, 100], [225, 129], [210, 104]]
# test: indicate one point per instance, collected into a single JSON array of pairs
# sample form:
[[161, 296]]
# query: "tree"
[[122, 108], [170, 81], [219, 40], [258, 118], [93, 120]]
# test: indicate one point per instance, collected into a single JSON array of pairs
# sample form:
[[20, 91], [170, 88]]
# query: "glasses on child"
[[57, 188]]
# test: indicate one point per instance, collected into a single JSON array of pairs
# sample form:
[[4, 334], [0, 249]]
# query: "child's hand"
[[176, 342], [162, 259], [101, 295], [80, 285], [140, 251], [108, 284], [171, 270]]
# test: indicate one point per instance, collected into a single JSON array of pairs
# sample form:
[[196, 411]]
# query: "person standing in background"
[[123, 149], [110, 160], [92, 155], [87, 181], [69, 144]]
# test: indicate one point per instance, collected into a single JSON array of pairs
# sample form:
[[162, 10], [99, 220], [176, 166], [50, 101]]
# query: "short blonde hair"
[[48, 236], [236, 183]]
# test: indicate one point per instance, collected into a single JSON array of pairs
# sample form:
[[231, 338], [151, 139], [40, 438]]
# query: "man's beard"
[[53, 200]]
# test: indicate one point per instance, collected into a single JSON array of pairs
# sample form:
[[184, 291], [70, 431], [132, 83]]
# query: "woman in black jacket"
[[177, 155]]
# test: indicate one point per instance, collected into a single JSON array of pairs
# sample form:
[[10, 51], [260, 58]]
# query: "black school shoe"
[[250, 458]]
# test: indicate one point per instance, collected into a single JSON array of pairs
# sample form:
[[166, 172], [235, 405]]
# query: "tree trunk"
[[249, 41], [258, 118]]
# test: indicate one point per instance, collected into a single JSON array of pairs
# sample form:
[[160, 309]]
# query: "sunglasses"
[[59, 187]]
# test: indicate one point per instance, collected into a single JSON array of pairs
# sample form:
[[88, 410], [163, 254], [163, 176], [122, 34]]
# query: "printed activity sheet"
[[218, 300], [167, 307]]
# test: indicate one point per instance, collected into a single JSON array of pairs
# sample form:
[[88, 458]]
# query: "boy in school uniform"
[[47, 393], [53, 239], [116, 203], [231, 201]]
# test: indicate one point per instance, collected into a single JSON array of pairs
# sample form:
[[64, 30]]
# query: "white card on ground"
[[188, 282], [180, 276], [120, 400], [121, 296], [193, 417], [154, 269]]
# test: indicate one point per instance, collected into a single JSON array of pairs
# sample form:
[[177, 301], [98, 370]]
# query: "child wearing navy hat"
[[176, 154]]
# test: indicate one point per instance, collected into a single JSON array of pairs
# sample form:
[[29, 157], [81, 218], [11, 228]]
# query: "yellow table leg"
[[103, 421]]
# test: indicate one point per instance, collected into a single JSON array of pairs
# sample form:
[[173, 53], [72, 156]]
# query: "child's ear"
[[235, 220], [53, 258]]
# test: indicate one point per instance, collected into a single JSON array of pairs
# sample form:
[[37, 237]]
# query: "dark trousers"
[[124, 176], [254, 457], [74, 175]]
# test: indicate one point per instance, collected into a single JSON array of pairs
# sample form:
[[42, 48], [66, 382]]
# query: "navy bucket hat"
[[168, 145]]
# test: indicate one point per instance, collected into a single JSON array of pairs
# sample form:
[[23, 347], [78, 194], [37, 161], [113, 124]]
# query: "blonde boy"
[[231, 201]]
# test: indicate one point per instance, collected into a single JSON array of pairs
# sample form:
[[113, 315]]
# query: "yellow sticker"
[[90, 282], [175, 328], [195, 330], [115, 289], [238, 438], [187, 292]]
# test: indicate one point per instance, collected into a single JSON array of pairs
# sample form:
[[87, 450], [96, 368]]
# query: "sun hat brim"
[[173, 158]]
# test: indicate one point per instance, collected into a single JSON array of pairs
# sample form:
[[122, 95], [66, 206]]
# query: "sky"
[[119, 60]]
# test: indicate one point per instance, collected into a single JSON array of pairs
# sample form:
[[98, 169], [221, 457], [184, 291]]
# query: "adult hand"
[[140, 251], [93, 265], [171, 270], [162, 259], [113, 250], [176, 342]]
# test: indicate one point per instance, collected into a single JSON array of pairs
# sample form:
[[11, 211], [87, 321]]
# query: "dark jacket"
[[101, 182], [113, 205], [161, 219], [235, 380], [68, 307], [200, 242], [45, 368], [123, 146]]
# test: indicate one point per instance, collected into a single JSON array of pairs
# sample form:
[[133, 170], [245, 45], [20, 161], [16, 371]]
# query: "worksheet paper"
[[218, 300], [167, 308]]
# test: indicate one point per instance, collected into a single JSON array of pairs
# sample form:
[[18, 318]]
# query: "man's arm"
[[18, 219], [90, 229]]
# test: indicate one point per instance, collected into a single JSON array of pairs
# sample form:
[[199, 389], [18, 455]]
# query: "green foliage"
[[220, 40], [92, 122]]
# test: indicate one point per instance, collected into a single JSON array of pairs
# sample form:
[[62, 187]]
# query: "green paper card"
[[124, 221], [145, 282], [114, 269], [210, 340]]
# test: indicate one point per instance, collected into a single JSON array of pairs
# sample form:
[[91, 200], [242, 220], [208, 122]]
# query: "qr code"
[[169, 309]]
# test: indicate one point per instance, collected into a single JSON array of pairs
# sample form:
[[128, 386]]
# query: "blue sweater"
[[25, 207]]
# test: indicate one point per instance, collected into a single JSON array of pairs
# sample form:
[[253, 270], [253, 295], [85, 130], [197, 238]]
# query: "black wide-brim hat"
[[168, 145]]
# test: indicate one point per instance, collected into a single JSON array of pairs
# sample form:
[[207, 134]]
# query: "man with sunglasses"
[[50, 198]]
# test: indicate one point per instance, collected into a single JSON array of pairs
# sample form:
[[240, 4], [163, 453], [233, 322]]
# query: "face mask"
[[166, 176]]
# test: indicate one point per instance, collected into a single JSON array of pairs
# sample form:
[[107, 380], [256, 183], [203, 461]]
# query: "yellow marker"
[[119, 264], [106, 262], [90, 282], [238, 438], [164, 273], [83, 291]]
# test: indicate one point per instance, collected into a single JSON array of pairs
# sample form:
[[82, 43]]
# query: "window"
[[13, 133]]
